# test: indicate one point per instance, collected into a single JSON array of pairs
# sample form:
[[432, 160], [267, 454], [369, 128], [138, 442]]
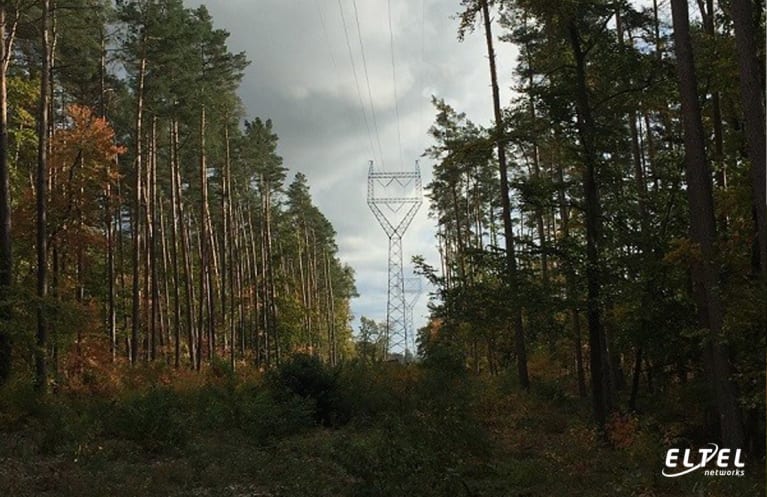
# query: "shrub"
[[307, 378], [154, 419], [263, 418]]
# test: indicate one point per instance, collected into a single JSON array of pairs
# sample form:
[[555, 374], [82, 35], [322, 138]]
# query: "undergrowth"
[[309, 429]]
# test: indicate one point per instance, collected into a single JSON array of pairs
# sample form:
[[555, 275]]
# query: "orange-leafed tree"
[[82, 177], [81, 170], [80, 173]]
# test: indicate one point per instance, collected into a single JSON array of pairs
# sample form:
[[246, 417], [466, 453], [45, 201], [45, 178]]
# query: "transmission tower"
[[394, 198], [413, 292]]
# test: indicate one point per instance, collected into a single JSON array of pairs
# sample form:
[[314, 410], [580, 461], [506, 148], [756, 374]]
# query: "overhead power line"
[[367, 80], [422, 79], [394, 83], [327, 39], [357, 82]]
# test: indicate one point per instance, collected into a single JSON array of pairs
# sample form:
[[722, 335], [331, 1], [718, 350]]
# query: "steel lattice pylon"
[[413, 292], [394, 198]]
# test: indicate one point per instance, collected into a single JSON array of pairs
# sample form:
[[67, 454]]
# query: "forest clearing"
[[191, 304], [361, 430]]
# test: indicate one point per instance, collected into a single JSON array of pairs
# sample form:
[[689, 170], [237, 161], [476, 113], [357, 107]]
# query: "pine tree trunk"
[[549, 324], [174, 227], [703, 233], [136, 227], [752, 97], [6, 261], [227, 252], [645, 243], [331, 312], [166, 321], [511, 264], [41, 374], [151, 253], [600, 372], [181, 225], [111, 317], [570, 285]]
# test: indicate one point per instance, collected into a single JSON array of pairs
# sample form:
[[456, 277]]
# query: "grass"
[[382, 431]]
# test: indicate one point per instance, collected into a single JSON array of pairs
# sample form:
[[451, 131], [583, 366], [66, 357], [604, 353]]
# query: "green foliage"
[[307, 378], [421, 435], [155, 419], [445, 354]]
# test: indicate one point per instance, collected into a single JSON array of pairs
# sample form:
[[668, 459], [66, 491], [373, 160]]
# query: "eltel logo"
[[722, 458]]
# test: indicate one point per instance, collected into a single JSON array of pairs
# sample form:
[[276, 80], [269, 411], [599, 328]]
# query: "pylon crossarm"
[[395, 200], [394, 175], [382, 220], [407, 219]]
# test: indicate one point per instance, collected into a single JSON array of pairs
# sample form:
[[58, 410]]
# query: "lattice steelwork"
[[413, 291], [394, 198]]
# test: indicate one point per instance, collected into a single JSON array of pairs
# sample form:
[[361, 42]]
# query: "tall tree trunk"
[[535, 153], [120, 256], [570, 284], [166, 322], [6, 260], [174, 236], [41, 374], [151, 241], [227, 252], [511, 263], [207, 304], [600, 387], [109, 220], [642, 208], [707, 15], [180, 236], [257, 294], [703, 233], [752, 97], [136, 227], [331, 312]]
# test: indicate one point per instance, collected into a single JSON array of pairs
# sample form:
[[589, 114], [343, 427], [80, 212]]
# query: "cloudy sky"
[[301, 76]]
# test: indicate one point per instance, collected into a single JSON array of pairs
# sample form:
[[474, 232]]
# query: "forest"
[[176, 317]]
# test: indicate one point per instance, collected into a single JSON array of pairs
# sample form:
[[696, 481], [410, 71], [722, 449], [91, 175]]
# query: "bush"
[[154, 419], [18, 403], [425, 454], [64, 426], [307, 378], [263, 418]]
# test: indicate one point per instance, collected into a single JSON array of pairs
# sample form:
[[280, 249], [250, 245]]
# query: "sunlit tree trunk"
[[41, 374], [174, 243], [136, 216]]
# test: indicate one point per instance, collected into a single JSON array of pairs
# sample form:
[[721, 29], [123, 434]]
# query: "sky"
[[301, 76]]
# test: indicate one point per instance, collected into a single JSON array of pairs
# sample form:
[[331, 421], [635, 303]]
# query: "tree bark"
[[703, 233], [752, 97], [136, 227], [6, 259], [600, 381], [41, 374], [511, 263], [174, 242]]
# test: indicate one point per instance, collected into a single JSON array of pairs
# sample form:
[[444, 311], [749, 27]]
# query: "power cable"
[[356, 81], [422, 107], [394, 83], [367, 80]]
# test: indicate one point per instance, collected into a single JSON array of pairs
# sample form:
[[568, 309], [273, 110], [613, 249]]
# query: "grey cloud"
[[301, 78]]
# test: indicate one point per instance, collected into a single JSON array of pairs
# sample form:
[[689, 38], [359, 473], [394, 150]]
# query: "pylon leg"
[[396, 308]]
